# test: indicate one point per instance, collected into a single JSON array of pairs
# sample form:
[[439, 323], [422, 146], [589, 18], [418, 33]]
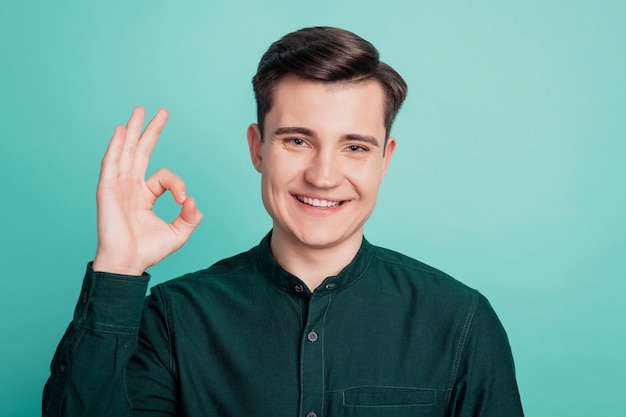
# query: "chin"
[[319, 243], [321, 239]]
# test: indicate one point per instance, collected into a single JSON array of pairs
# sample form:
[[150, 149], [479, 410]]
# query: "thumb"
[[187, 220]]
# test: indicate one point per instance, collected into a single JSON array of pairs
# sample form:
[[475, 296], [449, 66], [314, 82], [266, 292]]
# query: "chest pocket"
[[392, 401]]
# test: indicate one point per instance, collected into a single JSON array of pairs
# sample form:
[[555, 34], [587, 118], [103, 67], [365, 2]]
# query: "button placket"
[[312, 357]]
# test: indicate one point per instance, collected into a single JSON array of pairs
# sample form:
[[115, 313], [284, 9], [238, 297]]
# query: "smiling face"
[[322, 158]]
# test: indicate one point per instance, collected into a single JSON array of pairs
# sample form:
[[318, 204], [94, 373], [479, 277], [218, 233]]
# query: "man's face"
[[322, 160]]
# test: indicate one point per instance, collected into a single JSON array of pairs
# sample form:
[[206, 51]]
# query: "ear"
[[390, 148], [254, 144]]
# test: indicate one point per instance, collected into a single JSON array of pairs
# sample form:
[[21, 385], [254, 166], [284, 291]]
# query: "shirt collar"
[[280, 277]]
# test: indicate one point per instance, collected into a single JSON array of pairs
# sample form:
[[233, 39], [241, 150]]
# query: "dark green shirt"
[[388, 336]]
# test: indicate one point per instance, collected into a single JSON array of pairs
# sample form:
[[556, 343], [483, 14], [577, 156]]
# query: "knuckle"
[[164, 172]]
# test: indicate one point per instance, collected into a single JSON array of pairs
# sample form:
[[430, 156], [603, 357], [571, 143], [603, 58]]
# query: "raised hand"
[[131, 237]]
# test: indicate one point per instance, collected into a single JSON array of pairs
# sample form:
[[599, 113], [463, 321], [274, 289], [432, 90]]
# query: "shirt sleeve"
[[151, 373], [486, 385], [88, 369]]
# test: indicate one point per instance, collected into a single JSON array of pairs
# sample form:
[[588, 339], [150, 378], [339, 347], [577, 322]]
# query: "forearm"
[[88, 368]]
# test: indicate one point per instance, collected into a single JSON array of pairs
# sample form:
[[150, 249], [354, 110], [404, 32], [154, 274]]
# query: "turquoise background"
[[509, 172]]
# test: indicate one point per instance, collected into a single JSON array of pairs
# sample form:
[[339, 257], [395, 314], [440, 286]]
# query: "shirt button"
[[311, 414], [62, 368], [330, 285], [299, 288], [312, 336]]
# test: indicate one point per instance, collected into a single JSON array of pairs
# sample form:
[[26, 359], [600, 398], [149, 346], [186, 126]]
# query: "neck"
[[313, 265]]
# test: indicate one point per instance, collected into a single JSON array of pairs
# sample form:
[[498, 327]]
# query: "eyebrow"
[[294, 130], [370, 140]]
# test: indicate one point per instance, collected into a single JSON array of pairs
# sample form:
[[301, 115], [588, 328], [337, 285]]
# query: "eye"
[[356, 148], [297, 142]]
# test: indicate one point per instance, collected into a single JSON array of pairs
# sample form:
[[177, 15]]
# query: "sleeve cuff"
[[111, 303]]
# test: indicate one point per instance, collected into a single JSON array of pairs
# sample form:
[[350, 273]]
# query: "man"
[[314, 321]]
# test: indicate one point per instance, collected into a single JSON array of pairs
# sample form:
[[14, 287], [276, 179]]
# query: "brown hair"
[[325, 54]]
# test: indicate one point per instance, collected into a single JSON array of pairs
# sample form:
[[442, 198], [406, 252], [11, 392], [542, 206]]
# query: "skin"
[[131, 237], [322, 160], [323, 142]]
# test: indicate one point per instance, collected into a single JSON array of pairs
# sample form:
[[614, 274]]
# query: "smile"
[[314, 202]]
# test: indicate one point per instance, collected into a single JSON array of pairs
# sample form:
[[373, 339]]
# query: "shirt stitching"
[[124, 330], [330, 298], [462, 339]]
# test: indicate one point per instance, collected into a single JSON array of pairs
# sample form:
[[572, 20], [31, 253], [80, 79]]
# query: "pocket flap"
[[387, 397]]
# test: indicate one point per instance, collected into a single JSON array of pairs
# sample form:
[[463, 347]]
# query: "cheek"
[[366, 177], [276, 177], [282, 167]]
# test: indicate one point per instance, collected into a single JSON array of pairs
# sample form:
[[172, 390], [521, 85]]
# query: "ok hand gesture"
[[131, 237]]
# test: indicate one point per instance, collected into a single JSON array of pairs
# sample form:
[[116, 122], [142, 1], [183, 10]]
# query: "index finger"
[[148, 140]]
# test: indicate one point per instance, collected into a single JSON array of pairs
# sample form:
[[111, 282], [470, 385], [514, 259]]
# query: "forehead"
[[333, 108]]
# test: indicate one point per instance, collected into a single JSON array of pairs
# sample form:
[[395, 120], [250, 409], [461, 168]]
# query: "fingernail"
[[183, 196]]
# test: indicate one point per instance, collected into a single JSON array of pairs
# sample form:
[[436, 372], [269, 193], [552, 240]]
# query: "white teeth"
[[318, 203]]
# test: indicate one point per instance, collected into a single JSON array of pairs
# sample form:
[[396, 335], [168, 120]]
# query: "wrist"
[[101, 264]]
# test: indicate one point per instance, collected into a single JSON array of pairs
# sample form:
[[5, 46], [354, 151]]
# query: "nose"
[[324, 170]]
